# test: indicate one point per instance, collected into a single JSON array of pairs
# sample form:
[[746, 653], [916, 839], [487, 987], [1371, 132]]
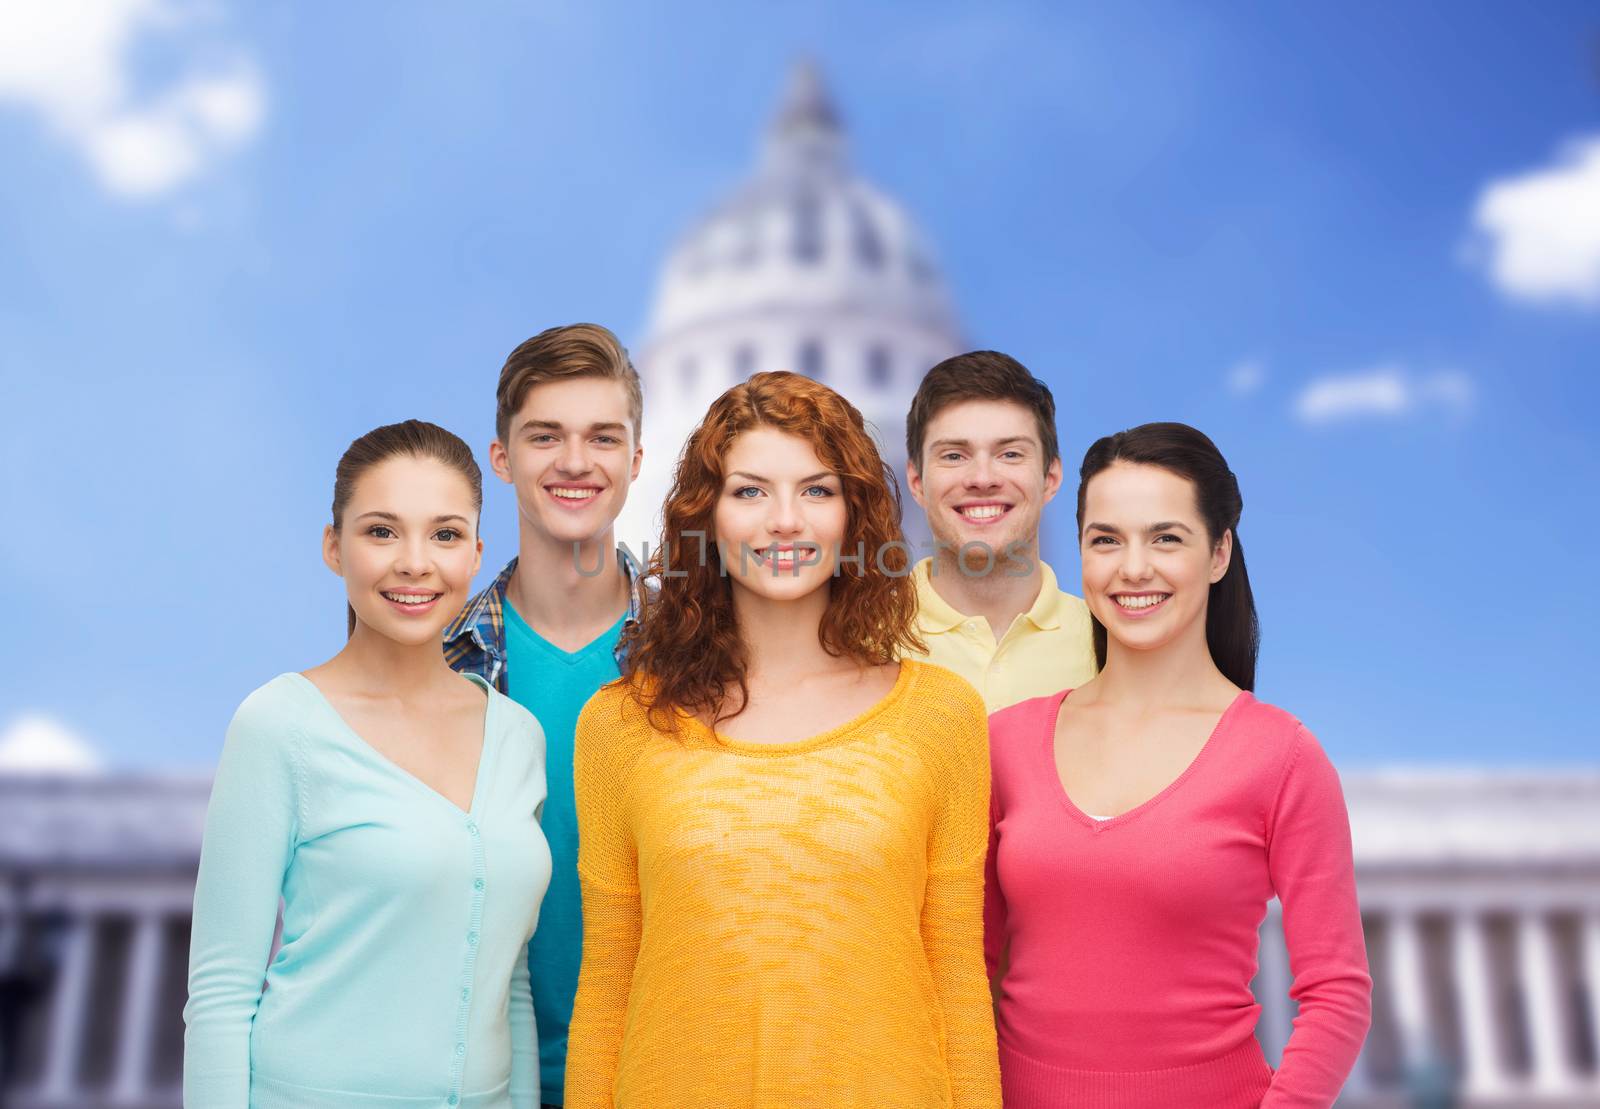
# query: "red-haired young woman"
[[781, 828]]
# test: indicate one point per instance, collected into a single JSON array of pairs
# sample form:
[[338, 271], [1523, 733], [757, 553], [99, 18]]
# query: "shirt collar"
[[481, 620], [936, 615], [1046, 611]]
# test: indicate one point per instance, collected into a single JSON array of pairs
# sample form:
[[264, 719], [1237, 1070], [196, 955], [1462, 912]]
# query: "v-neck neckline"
[[396, 768], [1110, 822]]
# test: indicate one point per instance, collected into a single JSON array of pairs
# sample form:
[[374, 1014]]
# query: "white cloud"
[[1246, 376], [70, 64], [39, 745], [1383, 392], [1541, 230]]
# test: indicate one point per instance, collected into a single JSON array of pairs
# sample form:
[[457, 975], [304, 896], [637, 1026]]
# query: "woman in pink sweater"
[[1141, 823]]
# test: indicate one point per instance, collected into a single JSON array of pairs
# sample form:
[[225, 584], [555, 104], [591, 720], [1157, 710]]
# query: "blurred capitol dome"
[[804, 267]]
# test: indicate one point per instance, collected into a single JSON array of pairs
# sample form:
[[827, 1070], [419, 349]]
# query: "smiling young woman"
[[392, 805], [782, 829], [1141, 823]]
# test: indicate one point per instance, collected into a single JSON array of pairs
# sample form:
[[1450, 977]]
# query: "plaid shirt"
[[475, 641]]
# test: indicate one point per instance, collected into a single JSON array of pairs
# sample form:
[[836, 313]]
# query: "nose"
[[980, 473], [411, 557], [785, 517], [574, 460], [1136, 565]]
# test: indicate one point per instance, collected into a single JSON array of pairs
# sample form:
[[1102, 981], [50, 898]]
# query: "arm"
[[251, 828], [608, 874], [1309, 860], [525, 1089], [953, 913], [994, 908], [525, 1093]]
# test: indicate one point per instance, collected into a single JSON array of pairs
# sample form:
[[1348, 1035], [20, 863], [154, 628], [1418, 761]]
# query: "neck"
[[780, 637], [1009, 589], [1180, 673], [562, 586], [380, 666]]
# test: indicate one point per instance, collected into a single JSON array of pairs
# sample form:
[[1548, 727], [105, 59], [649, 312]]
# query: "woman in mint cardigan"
[[393, 807]]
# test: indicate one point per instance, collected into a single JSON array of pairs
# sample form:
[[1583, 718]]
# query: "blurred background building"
[[1480, 891]]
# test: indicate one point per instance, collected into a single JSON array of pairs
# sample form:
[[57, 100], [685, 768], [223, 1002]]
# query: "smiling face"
[[571, 455], [407, 548], [780, 518], [1148, 564], [982, 477]]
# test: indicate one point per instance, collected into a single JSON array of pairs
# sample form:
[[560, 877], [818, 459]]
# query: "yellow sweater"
[[785, 924]]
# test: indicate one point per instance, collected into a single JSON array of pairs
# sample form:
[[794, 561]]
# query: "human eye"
[[541, 438], [447, 535], [607, 440], [1012, 454], [381, 531], [1168, 535], [746, 492], [1101, 540], [950, 456], [821, 490]]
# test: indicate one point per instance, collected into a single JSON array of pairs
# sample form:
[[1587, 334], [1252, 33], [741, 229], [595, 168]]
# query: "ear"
[[1052, 480], [1221, 556], [638, 459], [330, 550], [500, 461], [914, 483], [477, 557]]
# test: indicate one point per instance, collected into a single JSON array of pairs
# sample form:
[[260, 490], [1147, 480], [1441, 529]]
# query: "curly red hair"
[[685, 653]]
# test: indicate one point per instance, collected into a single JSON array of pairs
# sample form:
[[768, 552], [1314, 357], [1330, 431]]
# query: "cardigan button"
[[452, 1100], [477, 883], [472, 938], [461, 1049]]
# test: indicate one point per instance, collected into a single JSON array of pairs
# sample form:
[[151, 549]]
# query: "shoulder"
[[1280, 744], [273, 709], [514, 718], [612, 706], [936, 690], [1014, 728]]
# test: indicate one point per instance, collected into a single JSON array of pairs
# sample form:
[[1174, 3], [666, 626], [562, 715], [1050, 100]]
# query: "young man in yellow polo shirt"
[[983, 462]]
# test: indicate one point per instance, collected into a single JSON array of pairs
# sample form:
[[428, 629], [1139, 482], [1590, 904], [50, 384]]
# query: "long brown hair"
[[415, 438], [1233, 633], [685, 653]]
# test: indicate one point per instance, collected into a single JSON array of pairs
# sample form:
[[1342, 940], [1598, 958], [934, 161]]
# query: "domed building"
[[804, 267]]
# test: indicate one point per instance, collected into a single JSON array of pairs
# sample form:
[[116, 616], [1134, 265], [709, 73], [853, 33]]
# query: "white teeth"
[[1142, 602], [983, 511], [574, 494], [412, 598]]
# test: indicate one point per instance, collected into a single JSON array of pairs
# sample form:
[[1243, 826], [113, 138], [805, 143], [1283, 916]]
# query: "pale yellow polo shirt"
[[1047, 649]]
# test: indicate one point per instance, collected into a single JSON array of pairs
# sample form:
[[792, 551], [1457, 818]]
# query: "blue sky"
[[272, 228]]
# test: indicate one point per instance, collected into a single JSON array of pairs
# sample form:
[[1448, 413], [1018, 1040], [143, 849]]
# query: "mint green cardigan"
[[402, 978]]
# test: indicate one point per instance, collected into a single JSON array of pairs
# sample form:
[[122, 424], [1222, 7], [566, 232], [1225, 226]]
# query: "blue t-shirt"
[[554, 685]]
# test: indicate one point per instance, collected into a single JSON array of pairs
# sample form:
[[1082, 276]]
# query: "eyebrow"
[[746, 475], [1164, 525], [1008, 441], [556, 425], [395, 519]]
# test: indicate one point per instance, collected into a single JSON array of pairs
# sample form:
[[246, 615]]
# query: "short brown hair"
[[574, 350], [980, 375]]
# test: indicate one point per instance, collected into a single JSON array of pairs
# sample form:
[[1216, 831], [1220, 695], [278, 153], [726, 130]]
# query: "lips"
[[1138, 605], [573, 496], [410, 601], [984, 512]]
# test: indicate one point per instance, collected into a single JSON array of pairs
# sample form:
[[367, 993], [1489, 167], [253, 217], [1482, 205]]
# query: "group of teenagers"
[[782, 815]]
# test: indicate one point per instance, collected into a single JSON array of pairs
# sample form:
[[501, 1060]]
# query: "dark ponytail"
[[1232, 630], [415, 438]]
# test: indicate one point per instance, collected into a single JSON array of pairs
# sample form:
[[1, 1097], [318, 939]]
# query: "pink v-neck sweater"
[[1131, 942]]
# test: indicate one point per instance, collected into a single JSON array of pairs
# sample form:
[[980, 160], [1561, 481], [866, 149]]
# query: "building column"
[[1484, 1074], [131, 1076], [68, 1009], [1536, 966], [1272, 989], [1407, 977]]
